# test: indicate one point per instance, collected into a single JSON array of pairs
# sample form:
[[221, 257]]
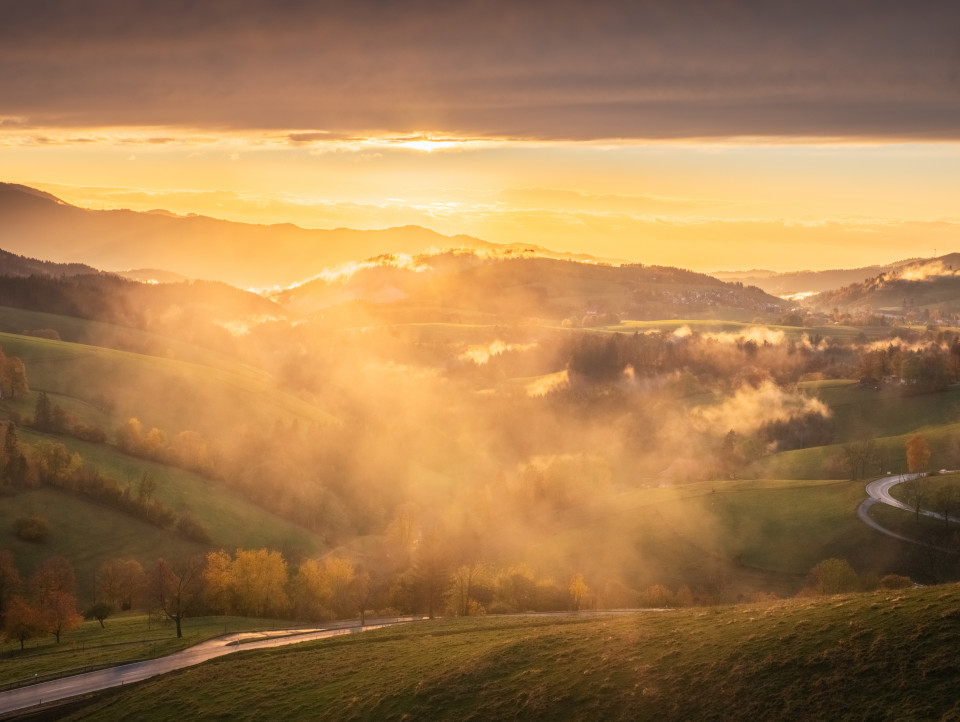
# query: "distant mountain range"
[[241, 254], [163, 247]]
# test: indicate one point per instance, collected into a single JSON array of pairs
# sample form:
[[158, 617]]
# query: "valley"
[[460, 435]]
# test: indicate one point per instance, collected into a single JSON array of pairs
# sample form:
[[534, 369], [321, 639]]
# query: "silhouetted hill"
[[13, 265], [241, 254], [907, 287], [530, 287], [796, 282]]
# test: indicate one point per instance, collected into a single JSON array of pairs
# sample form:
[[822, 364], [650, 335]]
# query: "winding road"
[[80, 684], [878, 492]]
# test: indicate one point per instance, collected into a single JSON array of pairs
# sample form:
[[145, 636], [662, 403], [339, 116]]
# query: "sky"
[[708, 134]]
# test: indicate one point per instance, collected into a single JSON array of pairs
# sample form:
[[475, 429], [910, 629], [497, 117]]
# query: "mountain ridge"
[[241, 254]]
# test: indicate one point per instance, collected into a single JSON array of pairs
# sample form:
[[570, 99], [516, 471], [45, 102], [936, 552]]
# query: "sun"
[[427, 145]]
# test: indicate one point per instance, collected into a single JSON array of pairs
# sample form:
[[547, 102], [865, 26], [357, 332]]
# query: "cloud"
[[559, 70], [750, 408], [482, 353]]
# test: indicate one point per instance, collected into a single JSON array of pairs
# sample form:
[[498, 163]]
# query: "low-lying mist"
[[469, 414]]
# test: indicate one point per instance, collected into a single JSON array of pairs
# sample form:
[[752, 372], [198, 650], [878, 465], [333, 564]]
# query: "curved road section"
[[878, 492], [61, 689]]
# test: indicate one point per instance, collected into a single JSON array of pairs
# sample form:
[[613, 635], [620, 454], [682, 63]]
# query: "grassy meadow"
[[882, 655], [125, 637], [731, 538]]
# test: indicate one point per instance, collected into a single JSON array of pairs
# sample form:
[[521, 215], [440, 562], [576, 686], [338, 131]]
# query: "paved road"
[[60, 689], [878, 492]]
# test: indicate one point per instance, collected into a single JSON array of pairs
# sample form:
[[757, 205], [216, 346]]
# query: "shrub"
[[31, 528], [192, 529], [834, 576], [895, 581]]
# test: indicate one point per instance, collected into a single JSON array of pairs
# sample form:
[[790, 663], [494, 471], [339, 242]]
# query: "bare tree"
[[176, 586]]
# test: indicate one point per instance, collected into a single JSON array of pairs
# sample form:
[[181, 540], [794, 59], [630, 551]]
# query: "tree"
[[18, 377], [918, 454], [99, 611], [466, 578], [431, 570], [362, 591], [59, 614], [145, 488], [946, 501], [859, 456], [13, 462], [9, 581], [55, 577], [311, 592], [657, 596], [21, 621], [41, 413], [578, 591], [340, 576], [121, 583], [176, 586], [218, 582], [259, 578]]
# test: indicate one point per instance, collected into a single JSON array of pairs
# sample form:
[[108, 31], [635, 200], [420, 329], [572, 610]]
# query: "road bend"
[[878, 492]]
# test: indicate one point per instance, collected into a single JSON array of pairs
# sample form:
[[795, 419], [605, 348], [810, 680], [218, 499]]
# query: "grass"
[[859, 412], [738, 537], [87, 534], [97, 333], [230, 519], [819, 461], [126, 637], [930, 485], [882, 655], [170, 394]]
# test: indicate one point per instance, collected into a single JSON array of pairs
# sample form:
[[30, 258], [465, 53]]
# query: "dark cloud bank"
[[542, 70]]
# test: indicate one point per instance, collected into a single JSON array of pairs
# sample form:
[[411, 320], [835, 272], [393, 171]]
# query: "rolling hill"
[[884, 655], [243, 255], [908, 289]]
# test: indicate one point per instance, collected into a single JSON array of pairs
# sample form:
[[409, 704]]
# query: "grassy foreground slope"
[[883, 655]]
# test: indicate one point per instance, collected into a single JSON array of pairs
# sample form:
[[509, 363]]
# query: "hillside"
[[917, 288], [812, 282], [243, 255], [216, 401], [883, 655], [448, 284], [14, 265]]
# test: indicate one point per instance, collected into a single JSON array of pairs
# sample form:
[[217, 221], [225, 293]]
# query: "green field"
[[229, 518], [743, 536], [820, 461], [14, 321], [170, 394], [106, 386], [124, 638], [88, 533], [865, 413], [881, 655]]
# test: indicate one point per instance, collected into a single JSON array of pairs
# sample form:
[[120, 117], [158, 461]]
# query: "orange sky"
[[699, 134]]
